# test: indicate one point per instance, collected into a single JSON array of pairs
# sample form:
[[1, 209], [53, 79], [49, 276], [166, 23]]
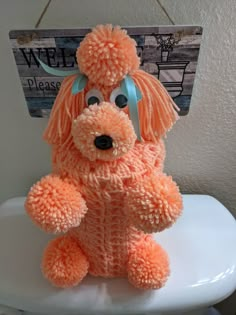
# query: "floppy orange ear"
[[65, 109], [157, 110]]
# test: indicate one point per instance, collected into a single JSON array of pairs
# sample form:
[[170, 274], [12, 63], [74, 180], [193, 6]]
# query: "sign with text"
[[168, 52]]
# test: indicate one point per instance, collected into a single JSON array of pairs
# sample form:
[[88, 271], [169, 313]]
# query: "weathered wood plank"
[[139, 30], [39, 94], [49, 86], [69, 42], [187, 89], [50, 32], [153, 54], [180, 53], [34, 71], [148, 30], [191, 67], [35, 43], [183, 102], [189, 41], [40, 107], [61, 56], [40, 103], [188, 78], [148, 54], [41, 86]]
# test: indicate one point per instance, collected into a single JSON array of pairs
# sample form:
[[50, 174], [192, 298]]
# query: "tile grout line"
[[42, 14], [166, 13]]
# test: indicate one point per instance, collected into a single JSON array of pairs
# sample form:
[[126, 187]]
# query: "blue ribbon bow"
[[133, 95]]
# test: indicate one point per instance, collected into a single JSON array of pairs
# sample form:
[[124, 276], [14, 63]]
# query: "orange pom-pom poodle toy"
[[107, 192]]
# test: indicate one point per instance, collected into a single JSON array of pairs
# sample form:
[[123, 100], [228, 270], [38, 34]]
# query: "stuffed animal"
[[107, 192]]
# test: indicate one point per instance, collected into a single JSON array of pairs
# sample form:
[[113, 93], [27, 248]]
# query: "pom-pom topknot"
[[107, 55]]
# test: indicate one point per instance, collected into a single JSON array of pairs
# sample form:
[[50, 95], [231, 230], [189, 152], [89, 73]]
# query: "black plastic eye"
[[93, 100], [121, 101], [118, 97], [93, 97]]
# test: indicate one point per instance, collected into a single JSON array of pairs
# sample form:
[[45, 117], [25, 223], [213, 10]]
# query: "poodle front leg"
[[55, 205], [64, 263], [148, 265], [154, 203]]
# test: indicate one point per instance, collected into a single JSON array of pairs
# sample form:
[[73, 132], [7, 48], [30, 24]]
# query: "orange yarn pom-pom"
[[154, 203], [148, 266], [90, 124], [64, 264], [54, 205], [107, 55]]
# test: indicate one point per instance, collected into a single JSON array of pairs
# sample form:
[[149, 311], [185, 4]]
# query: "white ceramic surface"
[[201, 246]]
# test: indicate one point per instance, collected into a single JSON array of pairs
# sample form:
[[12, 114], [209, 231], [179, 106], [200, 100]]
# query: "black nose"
[[103, 142]]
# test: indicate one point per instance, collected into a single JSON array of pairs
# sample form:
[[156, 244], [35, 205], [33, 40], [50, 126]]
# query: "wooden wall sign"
[[168, 52]]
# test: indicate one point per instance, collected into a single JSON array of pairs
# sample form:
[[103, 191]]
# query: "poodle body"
[[107, 192]]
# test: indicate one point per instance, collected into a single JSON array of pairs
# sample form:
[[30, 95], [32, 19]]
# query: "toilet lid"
[[201, 246]]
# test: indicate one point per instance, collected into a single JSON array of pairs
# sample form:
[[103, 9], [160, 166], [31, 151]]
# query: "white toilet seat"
[[201, 246]]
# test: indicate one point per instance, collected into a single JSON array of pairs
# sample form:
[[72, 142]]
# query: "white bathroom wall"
[[202, 147], [206, 137], [23, 156]]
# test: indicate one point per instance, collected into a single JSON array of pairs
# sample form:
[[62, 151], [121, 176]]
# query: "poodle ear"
[[157, 110], [65, 109]]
